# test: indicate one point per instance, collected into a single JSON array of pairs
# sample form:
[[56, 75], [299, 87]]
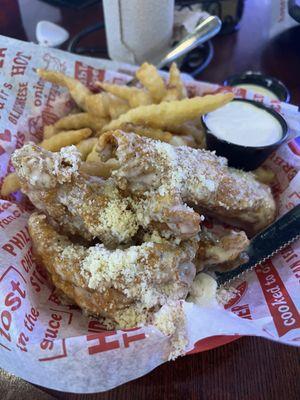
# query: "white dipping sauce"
[[244, 124], [258, 89]]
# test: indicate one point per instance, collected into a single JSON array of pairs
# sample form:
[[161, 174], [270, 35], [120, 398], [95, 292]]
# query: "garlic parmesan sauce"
[[244, 124]]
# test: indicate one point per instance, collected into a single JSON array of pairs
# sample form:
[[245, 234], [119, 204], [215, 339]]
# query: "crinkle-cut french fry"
[[168, 115], [100, 105], [175, 87], [153, 133], [49, 130], [10, 184], [135, 97], [264, 175], [77, 90], [149, 77], [86, 146], [183, 140], [80, 121], [106, 105], [93, 156], [75, 122], [99, 168], [176, 81], [65, 138]]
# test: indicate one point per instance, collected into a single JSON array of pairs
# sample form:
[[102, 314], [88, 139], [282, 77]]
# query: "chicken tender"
[[92, 207], [122, 285], [150, 168], [78, 204]]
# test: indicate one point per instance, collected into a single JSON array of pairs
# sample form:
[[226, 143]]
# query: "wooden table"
[[250, 368]]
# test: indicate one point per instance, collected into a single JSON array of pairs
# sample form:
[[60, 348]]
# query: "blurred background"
[[257, 35]]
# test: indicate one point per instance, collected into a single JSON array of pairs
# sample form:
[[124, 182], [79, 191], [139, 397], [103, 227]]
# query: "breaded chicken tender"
[[92, 207], [198, 177], [122, 285]]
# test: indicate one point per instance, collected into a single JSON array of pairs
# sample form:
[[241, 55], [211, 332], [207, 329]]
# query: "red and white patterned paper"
[[54, 345]]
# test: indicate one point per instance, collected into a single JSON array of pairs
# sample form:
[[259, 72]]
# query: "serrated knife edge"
[[237, 275]]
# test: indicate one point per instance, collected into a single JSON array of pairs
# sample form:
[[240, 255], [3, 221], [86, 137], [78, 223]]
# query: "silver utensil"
[[267, 243], [205, 30]]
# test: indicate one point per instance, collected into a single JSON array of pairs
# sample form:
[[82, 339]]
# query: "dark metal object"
[[267, 243]]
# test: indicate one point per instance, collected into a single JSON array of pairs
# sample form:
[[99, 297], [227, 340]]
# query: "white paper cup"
[[138, 30]]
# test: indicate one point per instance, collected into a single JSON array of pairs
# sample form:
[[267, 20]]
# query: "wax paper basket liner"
[[55, 345]]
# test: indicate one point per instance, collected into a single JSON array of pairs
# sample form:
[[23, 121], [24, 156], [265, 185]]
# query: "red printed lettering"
[[19, 104], [38, 278], [103, 344], [54, 298], [22, 341], [87, 74], [289, 170], [51, 332], [20, 240], [38, 92], [13, 301], [295, 267], [107, 341], [6, 221], [8, 86], [27, 261], [2, 56], [30, 319], [242, 311], [127, 339], [6, 135], [283, 310], [289, 255], [20, 63]]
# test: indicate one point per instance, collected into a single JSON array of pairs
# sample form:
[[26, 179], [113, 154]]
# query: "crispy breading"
[[198, 177], [92, 207], [123, 285]]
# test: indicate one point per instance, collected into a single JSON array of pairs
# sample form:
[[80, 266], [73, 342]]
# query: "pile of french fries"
[[157, 109]]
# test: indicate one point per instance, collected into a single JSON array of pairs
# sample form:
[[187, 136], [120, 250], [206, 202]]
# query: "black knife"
[[267, 243]]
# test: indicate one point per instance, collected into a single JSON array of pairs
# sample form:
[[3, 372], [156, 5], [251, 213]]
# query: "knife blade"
[[267, 243]]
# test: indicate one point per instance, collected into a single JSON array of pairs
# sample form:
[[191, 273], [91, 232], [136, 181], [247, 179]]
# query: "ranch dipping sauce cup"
[[260, 83], [245, 132]]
